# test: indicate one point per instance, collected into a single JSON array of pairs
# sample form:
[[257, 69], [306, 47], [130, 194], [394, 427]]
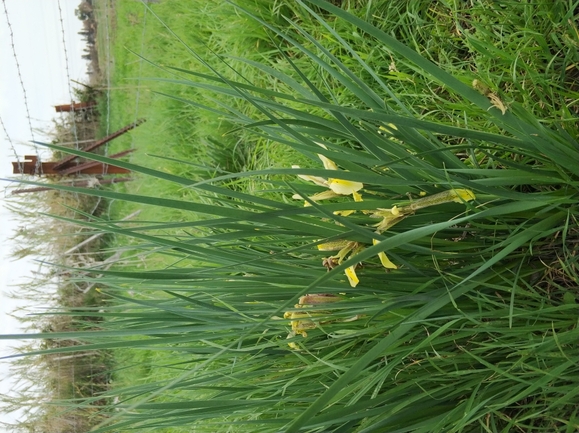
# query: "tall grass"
[[475, 330]]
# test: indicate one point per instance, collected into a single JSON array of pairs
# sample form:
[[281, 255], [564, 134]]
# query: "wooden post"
[[62, 163], [81, 167], [31, 166], [75, 106]]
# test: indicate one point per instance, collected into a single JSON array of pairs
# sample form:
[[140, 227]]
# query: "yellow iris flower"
[[390, 217], [303, 320], [346, 247], [336, 186]]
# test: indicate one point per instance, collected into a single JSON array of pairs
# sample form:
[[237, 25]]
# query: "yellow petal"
[[292, 345], [384, 258], [345, 251], [352, 277], [324, 195], [328, 163], [386, 261], [315, 179], [344, 213], [383, 129], [357, 196], [344, 187], [320, 181]]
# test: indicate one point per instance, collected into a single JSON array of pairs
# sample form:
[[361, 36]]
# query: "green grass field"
[[437, 152]]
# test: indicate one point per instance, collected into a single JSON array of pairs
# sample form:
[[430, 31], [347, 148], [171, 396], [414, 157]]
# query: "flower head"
[[336, 186], [302, 320], [389, 217], [345, 248]]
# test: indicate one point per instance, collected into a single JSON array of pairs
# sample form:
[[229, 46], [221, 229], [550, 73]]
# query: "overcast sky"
[[38, 40]]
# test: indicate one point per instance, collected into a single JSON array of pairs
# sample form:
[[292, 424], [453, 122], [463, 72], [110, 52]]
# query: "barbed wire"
[[24, 94], [108, 76], [20, 164], [68, 82], [66, 62], [18, 70]]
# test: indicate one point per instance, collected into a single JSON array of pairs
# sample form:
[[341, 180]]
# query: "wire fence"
[[22, 86], [67, 70], [11, 143]]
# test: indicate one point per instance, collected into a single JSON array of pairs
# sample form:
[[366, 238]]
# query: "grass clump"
[[251, 324]]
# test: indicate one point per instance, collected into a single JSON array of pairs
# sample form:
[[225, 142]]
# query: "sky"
[[37, 35]]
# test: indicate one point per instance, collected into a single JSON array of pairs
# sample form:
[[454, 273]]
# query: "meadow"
[[357, 216]]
